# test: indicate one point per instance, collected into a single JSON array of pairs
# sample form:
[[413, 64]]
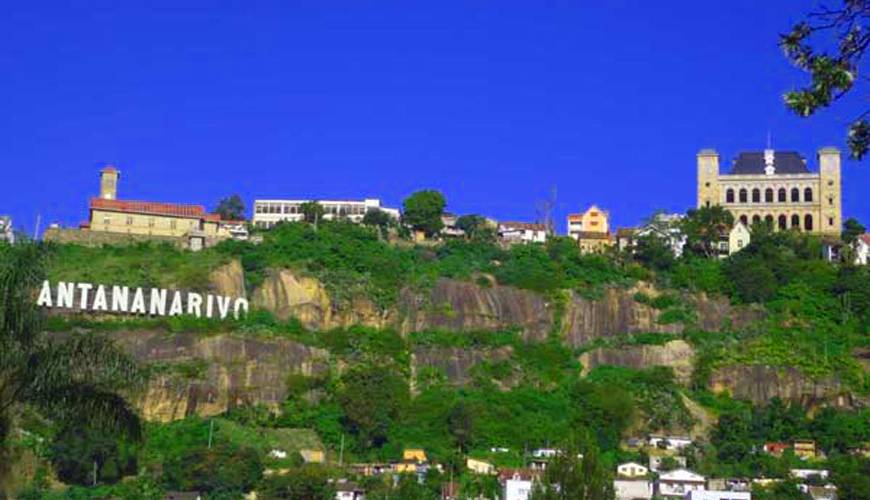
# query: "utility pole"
[[341, 452], [95, 473], [210, 431], [36, 227]]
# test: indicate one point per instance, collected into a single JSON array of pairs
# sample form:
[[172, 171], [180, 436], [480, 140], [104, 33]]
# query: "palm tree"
[[69, 377]]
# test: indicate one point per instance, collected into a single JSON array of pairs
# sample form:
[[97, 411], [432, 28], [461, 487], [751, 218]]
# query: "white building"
[[479, 466], [522, 232], [668, 442], [718, 495], [516, 484], [267, 213], [666, 227], [345, 490], [6, 233], [862, 249], [633, 489], [678, 483], [631, 470], [808, 473]]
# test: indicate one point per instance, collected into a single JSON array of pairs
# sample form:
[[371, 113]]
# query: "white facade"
[[807, 473], [6, 233], [862, 250], [678, 483], [738, 238], [666, 226], [632, 489], [631, 469], [522, 232], [267, 213], [479, 466], [517, 489], [669, 442], [718, 495]]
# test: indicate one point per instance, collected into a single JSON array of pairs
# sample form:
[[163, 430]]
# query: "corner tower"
[[830, 202], [109, 176], [708, 178]]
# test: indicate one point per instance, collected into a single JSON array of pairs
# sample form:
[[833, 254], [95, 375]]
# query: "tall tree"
[[577, 473], [67, 378], [704, 226], [312, 212], [852, 229], [476, 227], [378, 219], [231, 208], [423, 211], [834, 72]]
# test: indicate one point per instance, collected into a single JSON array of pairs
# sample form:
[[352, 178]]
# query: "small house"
[[805, 448], [479, 466], [678, 483], [633, 489], [631, 470]]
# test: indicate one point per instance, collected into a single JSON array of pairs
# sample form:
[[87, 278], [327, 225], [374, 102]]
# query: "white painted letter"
[[241, 304], [100, 302], [209, 306], [176, 309], [138, 302], [84, 289], [223, 306], [44, 295], [158, 302], [65, 292], [120, 298], [194, 304]]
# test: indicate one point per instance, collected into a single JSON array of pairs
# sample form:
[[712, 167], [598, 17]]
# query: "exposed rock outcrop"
[[456, 363], [233, 371], [459, 305], [761, 383], [228, 280], [676, 354]]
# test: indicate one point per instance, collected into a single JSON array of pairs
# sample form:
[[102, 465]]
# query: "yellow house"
[[805, 448], [310, 456], [593, 220], [479, 466], [415, 455]]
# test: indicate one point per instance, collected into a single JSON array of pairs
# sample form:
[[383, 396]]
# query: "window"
[[808, 222], [739, 243], [768, 195], [707, 204], [106, 220], [796, 221], [729, 196], [756, 219], [782, 222], [173, 224], [593, 223], [830, 221], [830, 183], [795, 195], [768, 219], [706, 184], [830, 201], [756, 195], [742, 196], [781, 195], [808, 194], [129, 221], [744, 220], [151, 222]]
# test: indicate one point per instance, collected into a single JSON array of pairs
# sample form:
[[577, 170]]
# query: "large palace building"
[[777, 187]]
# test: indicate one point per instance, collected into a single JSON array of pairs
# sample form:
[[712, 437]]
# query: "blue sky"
[[494, 103]]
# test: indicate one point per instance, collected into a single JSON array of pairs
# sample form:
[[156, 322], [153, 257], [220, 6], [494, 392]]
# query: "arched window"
[[808, 222], [768, 219], [729, 196], [795, 195], [808, 194], [756, 195], [744, 220], [782, 195], [783, 222], [768, 195], [756, 219], [743, 196], [796, 221]]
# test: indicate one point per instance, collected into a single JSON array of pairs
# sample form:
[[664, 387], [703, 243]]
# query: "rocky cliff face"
[[209, 375], [228, 280], [759, 383], [455, 363], [676, 354]]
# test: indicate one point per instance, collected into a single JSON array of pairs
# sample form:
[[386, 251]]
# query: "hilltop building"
[[267, 213], [591, 229], [522, 232], [777, 187], [6, 233], [109, 217]]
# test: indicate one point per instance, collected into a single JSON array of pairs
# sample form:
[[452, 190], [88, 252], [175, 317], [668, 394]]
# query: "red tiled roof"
[[865, 238], [109, 168], [575, 217], [592, 235], [154, 208], [524, 474]]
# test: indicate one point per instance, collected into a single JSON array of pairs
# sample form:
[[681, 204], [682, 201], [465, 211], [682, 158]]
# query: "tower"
[[708, 178], [830, 203], [109, 176]]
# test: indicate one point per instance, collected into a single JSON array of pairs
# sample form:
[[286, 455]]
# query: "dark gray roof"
[[785, 162]]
